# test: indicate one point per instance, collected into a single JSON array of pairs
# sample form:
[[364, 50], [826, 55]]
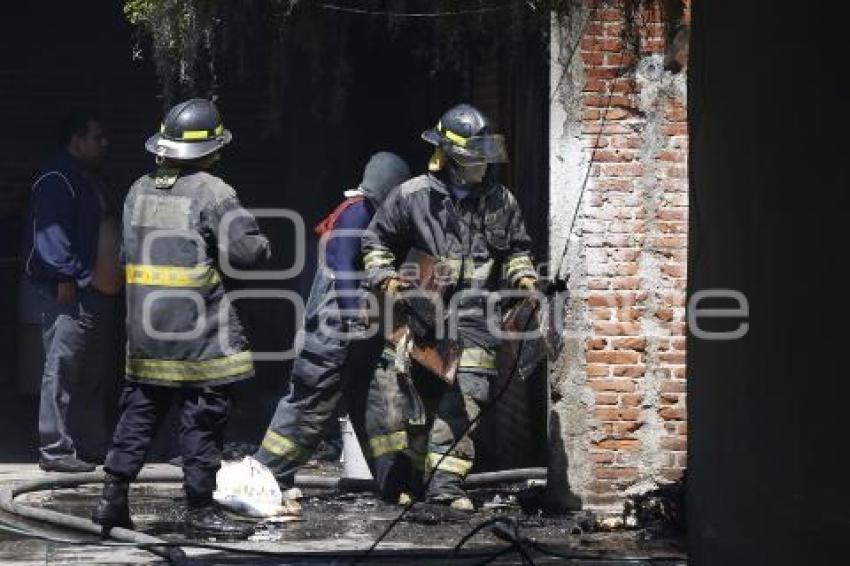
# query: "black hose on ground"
[[172, 553], [472, 480], [8, 504]]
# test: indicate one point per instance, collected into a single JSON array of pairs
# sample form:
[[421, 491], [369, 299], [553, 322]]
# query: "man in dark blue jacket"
[[68, 253], [329, 356]]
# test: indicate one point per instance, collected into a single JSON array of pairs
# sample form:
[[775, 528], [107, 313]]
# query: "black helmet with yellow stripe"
[[465, 135], [191, 130]]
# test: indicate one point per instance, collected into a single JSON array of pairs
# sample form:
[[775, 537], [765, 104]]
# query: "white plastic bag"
[[249, 488]]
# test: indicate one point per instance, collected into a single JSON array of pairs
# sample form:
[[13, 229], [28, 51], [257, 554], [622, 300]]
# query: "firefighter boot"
[[112, 508], [205, 519]]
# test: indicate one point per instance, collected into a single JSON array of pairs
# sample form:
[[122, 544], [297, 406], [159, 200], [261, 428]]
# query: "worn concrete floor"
[[331, 522]]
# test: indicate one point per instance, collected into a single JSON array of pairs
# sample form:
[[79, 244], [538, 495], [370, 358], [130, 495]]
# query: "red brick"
[[629, 445], [676, 172], [677, 114], [593, 57], [616, 473], [628, 315], [620, 385], [672, 413], [671, 156], [597, 370], [635, 343], [614, 299], [595, 85], [617, 414], [673, 386], [601, 314], [612, 357], [627, 283], [672, 227], [629, 371], [675, 129], [602, 72], [607, 399], [672, 214], [621, 169], [671, 398], [672, 357], [632, 400], [596, 344], [613, 45], [617, 329], [614, 156], [674, 270], [676, 443], [670, 242], [674, 299], [623, 185]]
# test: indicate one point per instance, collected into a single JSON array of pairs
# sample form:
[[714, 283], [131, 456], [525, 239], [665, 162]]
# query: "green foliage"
[[190, 39]]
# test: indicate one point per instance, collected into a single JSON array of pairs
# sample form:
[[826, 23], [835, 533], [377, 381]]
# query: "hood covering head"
[[384, 171]]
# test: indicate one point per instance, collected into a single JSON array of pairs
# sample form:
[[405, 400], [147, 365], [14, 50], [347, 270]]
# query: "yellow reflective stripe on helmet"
[[378, 258], [190, 370], [456, 138], [284, 447], [196, 134], [171, 276], [451, 464], [387, 443], [477, 358]]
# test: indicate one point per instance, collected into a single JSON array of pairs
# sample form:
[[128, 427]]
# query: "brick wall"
[[619, 391]]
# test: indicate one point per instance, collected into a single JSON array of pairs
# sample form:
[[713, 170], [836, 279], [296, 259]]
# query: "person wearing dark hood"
[[458, 215], [185, 343], [332, 355]]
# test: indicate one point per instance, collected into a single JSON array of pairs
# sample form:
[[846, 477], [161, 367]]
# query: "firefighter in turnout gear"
[[471, 224], [327, 363], [185, 344]]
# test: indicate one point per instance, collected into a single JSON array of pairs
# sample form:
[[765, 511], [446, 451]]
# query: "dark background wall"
[[305, 119], [767, 468]]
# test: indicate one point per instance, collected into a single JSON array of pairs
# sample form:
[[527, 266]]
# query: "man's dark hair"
[[75, 122]]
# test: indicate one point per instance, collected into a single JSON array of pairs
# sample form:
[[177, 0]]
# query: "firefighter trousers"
[[321, 372], [203, 415], [411, 422]]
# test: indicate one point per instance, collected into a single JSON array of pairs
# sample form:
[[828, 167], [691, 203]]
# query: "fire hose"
[[168, 550]]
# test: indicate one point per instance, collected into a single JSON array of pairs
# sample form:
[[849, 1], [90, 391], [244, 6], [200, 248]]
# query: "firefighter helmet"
[[465, 135], [191, 130]]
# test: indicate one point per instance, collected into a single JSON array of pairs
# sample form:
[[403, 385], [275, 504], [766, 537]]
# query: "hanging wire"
[[387, 13]]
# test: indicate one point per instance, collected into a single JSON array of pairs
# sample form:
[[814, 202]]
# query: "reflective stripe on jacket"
[[181, 329]]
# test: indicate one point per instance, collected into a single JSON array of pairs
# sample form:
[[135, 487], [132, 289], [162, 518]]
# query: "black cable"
[[363, 11], [595, 148], [315, 555], [584, 182], [469, 426], [477, 530]]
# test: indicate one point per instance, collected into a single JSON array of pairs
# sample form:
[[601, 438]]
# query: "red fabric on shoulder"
[[329, 222]]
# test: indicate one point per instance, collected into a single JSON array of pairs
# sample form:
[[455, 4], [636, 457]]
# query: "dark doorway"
[[306, 112]]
